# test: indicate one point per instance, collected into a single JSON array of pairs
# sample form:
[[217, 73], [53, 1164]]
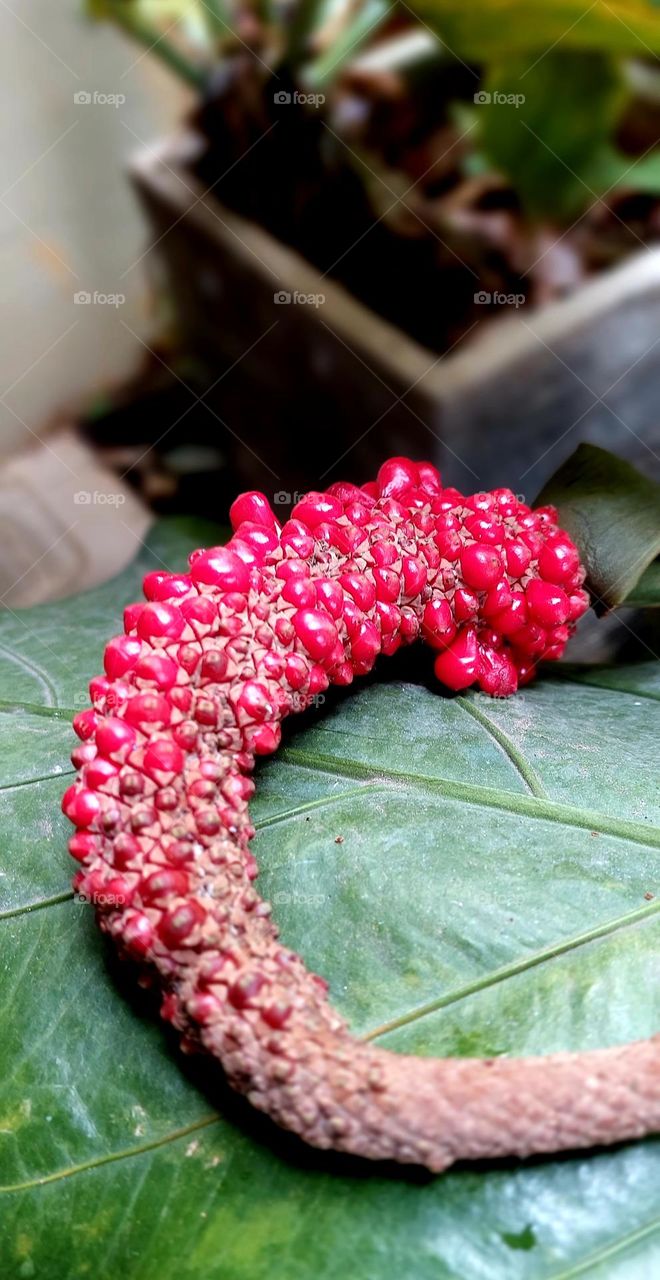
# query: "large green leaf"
[[490, 895], [612, 511], [550, 133], [486, 29]]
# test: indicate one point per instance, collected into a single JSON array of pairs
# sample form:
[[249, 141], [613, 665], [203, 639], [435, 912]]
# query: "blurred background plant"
[[516, 141]]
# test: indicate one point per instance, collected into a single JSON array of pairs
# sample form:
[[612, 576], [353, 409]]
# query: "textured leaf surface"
[[489, 896]]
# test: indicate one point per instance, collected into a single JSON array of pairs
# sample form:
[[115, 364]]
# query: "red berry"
[[245, 989], [99, 772], [558, 560], [415, 575], [159, 668], [120, 655], [299, 591], [137, 933], [438, 626], [547, 604], [360, 588], [518, 557], [458, 665], [260, 540], [84, 723], [481, 565], [114, 737], [148, 709], [177, 924], [163, 756], [166, 586], [396, 476], [365, 645], [164, 884], [497, 673], [316, 631]]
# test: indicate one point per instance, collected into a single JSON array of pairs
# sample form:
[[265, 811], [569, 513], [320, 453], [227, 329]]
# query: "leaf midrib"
[[515, 967], [514, 802]]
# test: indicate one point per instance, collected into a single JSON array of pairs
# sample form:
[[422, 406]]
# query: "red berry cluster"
[[196, 687]]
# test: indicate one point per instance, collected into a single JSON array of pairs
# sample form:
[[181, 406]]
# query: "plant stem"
[[158, 45]]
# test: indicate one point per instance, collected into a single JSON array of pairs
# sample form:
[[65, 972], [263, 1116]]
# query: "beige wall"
[[68, 219]]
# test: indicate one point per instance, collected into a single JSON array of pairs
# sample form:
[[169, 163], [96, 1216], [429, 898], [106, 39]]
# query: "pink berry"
[[253, 507], [138, 934], [360, 588], [365, 645], [163, 756], [114, 737], [84, 724], [148, 709], [316, 631], [300, 592], [255, 701], [120, 655], [315, 508], [160, 620], [415, 575], [158, 668], [220, 567]]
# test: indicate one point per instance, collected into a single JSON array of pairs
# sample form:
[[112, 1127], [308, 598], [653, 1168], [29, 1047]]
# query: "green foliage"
[[551, 145], [556, 146], [493, 30], [489, 896], [613, 513]]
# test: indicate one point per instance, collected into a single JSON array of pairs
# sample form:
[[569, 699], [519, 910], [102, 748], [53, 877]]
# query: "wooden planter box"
[[301, 385]]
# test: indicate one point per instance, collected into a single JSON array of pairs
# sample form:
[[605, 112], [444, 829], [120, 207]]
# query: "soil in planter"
[[326, 183]]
